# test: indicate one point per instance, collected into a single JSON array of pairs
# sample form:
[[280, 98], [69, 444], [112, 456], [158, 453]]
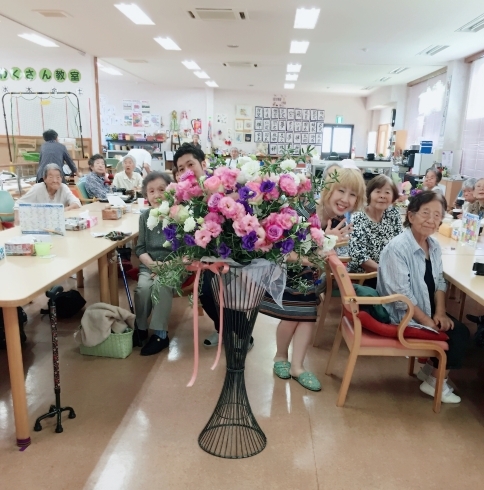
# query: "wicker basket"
[[117, 345]]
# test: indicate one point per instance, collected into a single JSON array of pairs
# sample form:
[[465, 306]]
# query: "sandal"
[[309, 381], [281, 369]]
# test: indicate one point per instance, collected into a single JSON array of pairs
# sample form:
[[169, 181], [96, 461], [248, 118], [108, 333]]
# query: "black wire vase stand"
[[232, 431]]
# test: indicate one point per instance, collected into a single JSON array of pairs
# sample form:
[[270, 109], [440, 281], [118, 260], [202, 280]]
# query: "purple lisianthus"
[[189, 240], [247, 207], [175, 244], [246, 193], [248, 241], [223, 250], [170, 232], [302, 234], [287, 246], [267, 186]]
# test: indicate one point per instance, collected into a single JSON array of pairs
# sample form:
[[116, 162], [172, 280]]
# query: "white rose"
[[164, 208], [296, 177], [329, 242], [152, 221], [251, 169], [306, 244], [243, 160], [288, 164], [190, 224]]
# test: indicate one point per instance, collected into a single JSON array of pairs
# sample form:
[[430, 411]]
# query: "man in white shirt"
[[128, 179], [234, 158], [143, 159]]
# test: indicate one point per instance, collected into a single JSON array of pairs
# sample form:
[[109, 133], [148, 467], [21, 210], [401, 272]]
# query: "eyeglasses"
[[427, 216]]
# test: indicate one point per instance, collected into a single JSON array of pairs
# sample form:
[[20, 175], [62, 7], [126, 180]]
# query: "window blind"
[[473, 136], [424, 110]]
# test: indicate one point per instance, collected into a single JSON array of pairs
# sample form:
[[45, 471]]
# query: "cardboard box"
[[112, 213], [91, 221]]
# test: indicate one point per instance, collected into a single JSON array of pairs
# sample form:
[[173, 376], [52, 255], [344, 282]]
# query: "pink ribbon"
[[217, 268]]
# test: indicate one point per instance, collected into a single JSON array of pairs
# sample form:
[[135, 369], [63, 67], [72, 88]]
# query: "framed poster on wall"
[[274, 137], [273, 149], [282, 113], [259, 112], [258, 124], [281, 138], [267, 112], [314, 115], [258, 137], [243, 112], [290, 114], [266, 137], [274, 125], [274, 113], [266, 125]]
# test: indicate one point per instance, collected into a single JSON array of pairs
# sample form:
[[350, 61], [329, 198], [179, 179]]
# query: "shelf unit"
[[112, 153], [398, 142]]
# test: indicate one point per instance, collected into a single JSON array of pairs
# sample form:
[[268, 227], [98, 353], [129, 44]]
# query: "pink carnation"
[[273, 232], [241, 212], [255, 186], [218, 218], [213, 184], [285, 221], [290, 212], [273, 195], [228, 207], [202, 238], [272, 219], [214, 201], [261, 242], [246, 224], [318, 236], [213, 228], [188, 176], [314, 221], [288, 185], [304, 186], [171, 187], [174, 211], [227, 176], [265, 247]]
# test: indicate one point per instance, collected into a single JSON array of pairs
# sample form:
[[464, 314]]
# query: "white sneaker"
[[425, 372], [211, 340], [448, 395]]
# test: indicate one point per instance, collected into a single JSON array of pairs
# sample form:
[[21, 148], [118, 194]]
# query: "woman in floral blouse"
[[374, 227]]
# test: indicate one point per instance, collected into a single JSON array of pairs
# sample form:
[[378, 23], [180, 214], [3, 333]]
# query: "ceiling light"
[[201, 74], [367, 88], [211, 83], [167, 43], [473, 26], [289, 85], [293, 68], [299, 47], [432, 50], [191, 65], [306, 18], [396, 71], [134, 13], [384, 79], [35, 38], [292, 77], [232, 46], [108, 69]]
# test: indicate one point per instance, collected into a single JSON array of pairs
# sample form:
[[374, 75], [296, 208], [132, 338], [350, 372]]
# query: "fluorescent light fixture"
[[432, 50], [293, 68], [289, 85], [299, 47], [42, 41], [291, 77], [367, 88], [108, 69], [398, 70], [211, 83], [306, 18], [167, 43], [201, 74], [191, 65], [384, 79], [134, 14], [474, 25]]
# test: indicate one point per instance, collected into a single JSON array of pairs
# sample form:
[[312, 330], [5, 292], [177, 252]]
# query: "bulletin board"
[[283, 127]]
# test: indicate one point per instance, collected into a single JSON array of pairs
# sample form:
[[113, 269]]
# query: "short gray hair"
[[469, 183], [51, 166], [129, 157], [328, 166]]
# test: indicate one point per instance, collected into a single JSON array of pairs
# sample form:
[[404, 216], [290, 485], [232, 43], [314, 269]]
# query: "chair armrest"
[[345, 260], [378, 300], [343, 243], [362, 276]]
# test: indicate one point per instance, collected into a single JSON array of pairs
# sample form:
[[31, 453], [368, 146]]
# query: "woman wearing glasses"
[[411, 264]]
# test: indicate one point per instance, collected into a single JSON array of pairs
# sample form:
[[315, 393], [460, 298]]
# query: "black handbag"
[[67, 303], [22, 320]]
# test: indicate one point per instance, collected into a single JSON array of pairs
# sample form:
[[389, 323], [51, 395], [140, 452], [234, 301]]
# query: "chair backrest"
[[6, 205], [81, 185], [344, 282]]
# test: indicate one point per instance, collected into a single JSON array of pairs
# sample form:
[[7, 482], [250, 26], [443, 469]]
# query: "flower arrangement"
[[240, 214]]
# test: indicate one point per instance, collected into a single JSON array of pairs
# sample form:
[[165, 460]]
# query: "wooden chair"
[[361, 342], [326, 297]]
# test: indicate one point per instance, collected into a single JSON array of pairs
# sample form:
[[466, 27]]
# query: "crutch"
[[137, 340], [55, 409]]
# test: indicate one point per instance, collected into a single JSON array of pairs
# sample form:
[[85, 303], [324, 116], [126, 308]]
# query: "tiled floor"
[[137, 423]]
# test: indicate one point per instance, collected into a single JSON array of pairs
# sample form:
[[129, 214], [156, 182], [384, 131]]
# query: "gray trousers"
[[144, 306]]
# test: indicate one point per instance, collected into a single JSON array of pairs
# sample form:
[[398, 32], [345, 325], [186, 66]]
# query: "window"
[[337, 138], [473, 136]]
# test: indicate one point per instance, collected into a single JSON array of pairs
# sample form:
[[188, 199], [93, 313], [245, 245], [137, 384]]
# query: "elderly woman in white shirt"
[[128, 179]]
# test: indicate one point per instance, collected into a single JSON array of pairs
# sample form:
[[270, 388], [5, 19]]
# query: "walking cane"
[[55, 409]]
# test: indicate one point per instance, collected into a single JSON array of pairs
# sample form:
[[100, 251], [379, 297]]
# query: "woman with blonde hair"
[[299, 311]]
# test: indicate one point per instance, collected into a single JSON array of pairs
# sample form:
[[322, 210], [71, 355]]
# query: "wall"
[[53, 58]]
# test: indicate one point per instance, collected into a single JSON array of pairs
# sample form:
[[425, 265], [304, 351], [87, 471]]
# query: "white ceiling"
[[393, 32]]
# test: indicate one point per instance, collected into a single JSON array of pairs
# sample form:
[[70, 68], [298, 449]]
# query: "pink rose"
[[214, 201], [213, 184], [255, 186], [174, 211], [288, 185], [273, 233], [318, 236], [261, 239], [304, 185], [213, 228], [240, 210], [171, 187], [228, 207], [314, 221], [202, 238], [290, 212], [188, 176], [218, 218], [272, 219], [265, 247]]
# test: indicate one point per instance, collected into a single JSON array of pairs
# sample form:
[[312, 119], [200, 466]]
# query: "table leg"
[[462, 305], [113, 279], [80, 278], [17, 379], [103, 268]]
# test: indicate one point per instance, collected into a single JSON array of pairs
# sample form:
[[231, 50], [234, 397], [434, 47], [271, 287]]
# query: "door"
[[383, 139]]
